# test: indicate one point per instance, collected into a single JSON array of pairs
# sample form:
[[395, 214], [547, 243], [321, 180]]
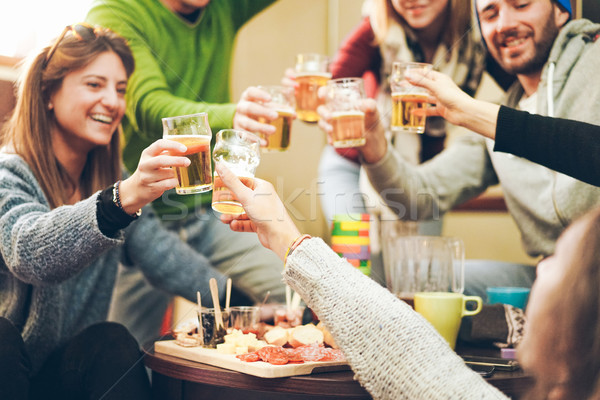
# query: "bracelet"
[[117, 200], [294, 245]]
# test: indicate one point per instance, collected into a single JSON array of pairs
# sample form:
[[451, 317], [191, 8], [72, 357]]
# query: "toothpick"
[[214, 291], [295, 301], [265, 299], [288, 300], [200, 327], [228, 294]]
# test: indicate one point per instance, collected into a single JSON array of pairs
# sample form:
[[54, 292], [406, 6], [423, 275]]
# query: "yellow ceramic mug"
[[444, 310]]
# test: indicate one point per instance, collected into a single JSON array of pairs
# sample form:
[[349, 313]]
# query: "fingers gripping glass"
[[81, 31]]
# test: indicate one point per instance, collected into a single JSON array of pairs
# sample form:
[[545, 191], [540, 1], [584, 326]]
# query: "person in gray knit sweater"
[[397, 354], [67, 221]]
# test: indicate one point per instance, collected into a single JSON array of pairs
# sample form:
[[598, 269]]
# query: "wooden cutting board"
[[258, 368]]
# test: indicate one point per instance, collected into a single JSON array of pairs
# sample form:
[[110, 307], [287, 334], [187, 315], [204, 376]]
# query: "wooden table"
[[179, 379]]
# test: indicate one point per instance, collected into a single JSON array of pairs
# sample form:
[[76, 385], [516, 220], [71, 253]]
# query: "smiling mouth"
[[513, 42], [105, 119]]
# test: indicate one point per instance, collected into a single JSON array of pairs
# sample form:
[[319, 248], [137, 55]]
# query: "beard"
[[542, 50]]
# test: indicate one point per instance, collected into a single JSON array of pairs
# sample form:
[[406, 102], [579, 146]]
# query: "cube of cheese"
[[226, 348]]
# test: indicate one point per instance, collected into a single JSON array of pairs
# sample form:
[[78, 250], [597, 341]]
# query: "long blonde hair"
[[27, 132], [458, 23]]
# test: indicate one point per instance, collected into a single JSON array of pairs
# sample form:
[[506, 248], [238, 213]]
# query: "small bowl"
[[514, 296]]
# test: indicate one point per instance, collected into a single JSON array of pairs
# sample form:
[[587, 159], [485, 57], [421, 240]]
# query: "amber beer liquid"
[[280, 140], [348, 128], [403, 116], [307, 99], [223, 200], [197, 177]]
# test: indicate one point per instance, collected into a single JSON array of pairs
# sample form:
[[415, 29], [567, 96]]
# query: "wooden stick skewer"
[[288, 299], [214, 291], [200, 327], [228, 295]]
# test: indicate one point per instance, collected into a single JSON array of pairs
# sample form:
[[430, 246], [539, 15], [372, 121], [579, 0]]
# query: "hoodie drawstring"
[[550, 92]]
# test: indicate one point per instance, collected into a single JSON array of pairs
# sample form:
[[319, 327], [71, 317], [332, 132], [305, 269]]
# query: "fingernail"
[[182, 148]]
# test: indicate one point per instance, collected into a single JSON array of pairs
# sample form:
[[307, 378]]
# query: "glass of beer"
[[194, 132], [343, 98], [406, 99], [284, 102], [240, 152], [312, 72]]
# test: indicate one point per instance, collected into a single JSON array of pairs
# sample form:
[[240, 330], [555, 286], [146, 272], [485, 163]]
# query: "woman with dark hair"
[[65, 220], [397, 354]]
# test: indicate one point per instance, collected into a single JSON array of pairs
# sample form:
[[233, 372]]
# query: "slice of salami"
[[275, 355], [249, 357], [330, 354], [311, 352], [294, 356]]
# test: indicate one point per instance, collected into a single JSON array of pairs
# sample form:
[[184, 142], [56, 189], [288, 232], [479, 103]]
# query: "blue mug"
[[514, 296]]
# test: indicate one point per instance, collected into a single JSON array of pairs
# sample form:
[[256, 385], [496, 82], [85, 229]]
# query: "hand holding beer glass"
[[312, 72], [284, 102], [343, 98], [406, 99], [194, 132], [240, 152]]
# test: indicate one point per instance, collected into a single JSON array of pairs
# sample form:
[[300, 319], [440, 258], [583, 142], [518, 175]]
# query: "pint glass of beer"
[[406, 99], [312, 72], [343, 98], [194, 132], [240, 152], [284, 102]]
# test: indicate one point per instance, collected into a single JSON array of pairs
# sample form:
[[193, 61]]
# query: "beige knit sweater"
[[395, 353]]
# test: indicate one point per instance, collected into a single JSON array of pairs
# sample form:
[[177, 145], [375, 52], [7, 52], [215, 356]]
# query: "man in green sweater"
[[183, 51]]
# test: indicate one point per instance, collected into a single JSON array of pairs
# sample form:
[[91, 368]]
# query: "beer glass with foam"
[[194, 132], [408, 101], [312, 72], [343, 98], [284, 102], [240, 152]]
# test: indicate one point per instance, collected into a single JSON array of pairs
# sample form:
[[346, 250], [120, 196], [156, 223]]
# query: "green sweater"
[[181, 68]]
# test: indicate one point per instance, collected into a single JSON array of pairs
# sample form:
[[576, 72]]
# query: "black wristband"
[[110, 217]]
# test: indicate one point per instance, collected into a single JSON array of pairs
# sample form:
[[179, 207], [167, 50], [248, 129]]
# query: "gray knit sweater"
[[541, 201], [58, 270], [395, 353]]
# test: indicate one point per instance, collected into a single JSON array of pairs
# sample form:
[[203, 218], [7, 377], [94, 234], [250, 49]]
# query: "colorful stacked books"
[[350, 239]]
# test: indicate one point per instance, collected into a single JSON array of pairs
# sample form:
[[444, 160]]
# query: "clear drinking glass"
[[284, 102], [344, 97], [209, 333], [406, 99], [240, 152], [423, 264], [312, 72], [244, 318], [194, 132]]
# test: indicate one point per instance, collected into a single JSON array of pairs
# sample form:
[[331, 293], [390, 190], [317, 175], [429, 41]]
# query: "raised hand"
[[454, 105], [153, 175], [449, 100], [250, 108], [265, 213]]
